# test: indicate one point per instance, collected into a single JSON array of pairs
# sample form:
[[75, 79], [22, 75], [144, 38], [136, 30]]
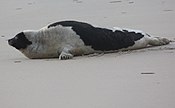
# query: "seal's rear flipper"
[[158, 41]]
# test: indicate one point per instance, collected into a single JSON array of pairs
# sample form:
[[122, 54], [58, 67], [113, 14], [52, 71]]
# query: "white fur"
[[141, 43], [54, 41]]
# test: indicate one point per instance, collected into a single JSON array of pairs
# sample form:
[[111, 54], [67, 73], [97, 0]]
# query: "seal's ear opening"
[[19, 41]]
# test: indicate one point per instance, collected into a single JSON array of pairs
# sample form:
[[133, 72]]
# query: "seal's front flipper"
[[65, 54]]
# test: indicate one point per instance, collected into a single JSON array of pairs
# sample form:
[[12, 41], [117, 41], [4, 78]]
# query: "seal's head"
[[19, 41]]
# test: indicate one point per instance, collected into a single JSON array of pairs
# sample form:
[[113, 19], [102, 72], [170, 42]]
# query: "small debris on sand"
[[147, 73], [18, 8], [131, 2], [118, 1], [123, 12], [167, 10], [29, 3], [17, 61], [77, 1]]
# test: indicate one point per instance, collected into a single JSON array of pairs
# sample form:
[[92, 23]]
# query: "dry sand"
[[117, 80]]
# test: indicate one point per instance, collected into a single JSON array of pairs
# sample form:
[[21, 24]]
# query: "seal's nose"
[[10, 42]]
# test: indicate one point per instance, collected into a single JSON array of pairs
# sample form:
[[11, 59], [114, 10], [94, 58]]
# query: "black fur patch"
[[101, 38], [19, 41]]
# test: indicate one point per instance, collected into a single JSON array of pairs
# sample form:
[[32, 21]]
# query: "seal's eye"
[[16, 38]]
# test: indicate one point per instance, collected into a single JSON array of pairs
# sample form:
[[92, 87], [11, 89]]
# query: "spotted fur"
[[66, 39]]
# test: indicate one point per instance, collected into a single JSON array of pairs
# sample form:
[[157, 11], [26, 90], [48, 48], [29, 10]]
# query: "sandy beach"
[[134, 79]]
